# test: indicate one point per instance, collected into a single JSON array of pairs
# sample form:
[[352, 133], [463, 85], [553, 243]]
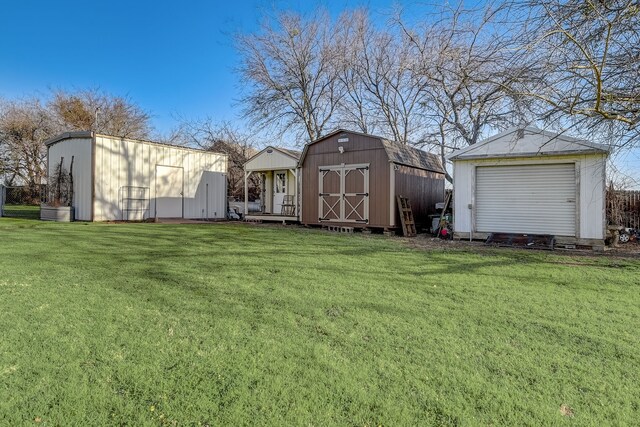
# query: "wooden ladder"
[[406, 217]]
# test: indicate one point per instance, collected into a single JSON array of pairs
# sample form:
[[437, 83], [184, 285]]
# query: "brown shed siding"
[[423, 189], [360, 149]]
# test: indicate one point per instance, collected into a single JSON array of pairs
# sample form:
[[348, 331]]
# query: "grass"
[[22, 211], [147, 324]]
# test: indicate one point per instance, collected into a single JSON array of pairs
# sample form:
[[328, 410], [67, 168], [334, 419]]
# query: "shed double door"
[[344, 193]]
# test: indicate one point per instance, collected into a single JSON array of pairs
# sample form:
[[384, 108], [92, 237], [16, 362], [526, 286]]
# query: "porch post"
[[295, 191], [246, 192], [2, 193]]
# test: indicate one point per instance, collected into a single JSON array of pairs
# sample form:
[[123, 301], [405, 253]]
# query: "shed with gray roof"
[[352, 179]]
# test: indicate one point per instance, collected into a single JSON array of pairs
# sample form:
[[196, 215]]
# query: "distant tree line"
[[221, 137], [442, 80], [26, 124]]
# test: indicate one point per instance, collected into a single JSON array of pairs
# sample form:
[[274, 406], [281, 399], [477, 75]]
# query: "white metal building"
[[124, 179], [530, 181]]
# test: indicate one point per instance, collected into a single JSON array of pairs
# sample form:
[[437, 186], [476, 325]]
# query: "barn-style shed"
[[277, 169], [352, 179], [118, 179], [531, 181]]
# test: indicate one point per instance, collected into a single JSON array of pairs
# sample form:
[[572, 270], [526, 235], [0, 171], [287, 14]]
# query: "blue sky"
[[170, 57]]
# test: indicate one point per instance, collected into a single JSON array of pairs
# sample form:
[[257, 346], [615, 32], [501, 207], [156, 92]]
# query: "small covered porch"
[[277, 171]]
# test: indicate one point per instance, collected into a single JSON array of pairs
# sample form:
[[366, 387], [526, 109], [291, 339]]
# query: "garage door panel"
[[535, 199], [512, 205]]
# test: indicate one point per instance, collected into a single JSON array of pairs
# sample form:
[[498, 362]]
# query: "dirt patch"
[[566, 410], [428, 242]]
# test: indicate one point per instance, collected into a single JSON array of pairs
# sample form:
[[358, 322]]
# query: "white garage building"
[[530, 181], [118, 179]]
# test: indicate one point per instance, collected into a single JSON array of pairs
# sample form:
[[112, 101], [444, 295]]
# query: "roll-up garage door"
[[533, 199]]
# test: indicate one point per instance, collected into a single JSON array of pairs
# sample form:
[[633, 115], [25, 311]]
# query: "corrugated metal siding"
[[423, 188], [537, 199], [592, 197], [80, 149], [462, 195], [121, 163], [360, 149], [169, 202]]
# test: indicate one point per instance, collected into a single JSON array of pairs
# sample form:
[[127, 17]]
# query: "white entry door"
[[279, 190], [169, 191]]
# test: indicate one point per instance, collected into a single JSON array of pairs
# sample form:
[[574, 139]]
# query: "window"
[[281, 183]]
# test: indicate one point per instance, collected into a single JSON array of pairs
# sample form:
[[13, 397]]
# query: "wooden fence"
[[623, 208]]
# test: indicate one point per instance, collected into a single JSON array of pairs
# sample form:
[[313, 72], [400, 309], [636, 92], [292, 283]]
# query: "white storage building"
[[124, 179], [530, 181]]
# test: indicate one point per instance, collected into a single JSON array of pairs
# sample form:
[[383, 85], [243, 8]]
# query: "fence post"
[[2, 197]]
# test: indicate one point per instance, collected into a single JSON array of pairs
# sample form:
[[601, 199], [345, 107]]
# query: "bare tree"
[[221, 137], [590, 51], [441, 82], [470, 68], [24, 126], [290, 71], [382, 76], [95, 110], [354, 110]]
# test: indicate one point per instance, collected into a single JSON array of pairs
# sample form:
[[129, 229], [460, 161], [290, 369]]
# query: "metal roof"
[[404, 154], [397, 152], [69, 135], [91, 134], [527, 142]]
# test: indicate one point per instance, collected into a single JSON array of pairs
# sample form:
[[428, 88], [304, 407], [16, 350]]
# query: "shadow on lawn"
[[267, 292], [184, 258]]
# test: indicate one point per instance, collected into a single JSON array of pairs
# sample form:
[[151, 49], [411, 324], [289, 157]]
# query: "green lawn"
[[147, 324]]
